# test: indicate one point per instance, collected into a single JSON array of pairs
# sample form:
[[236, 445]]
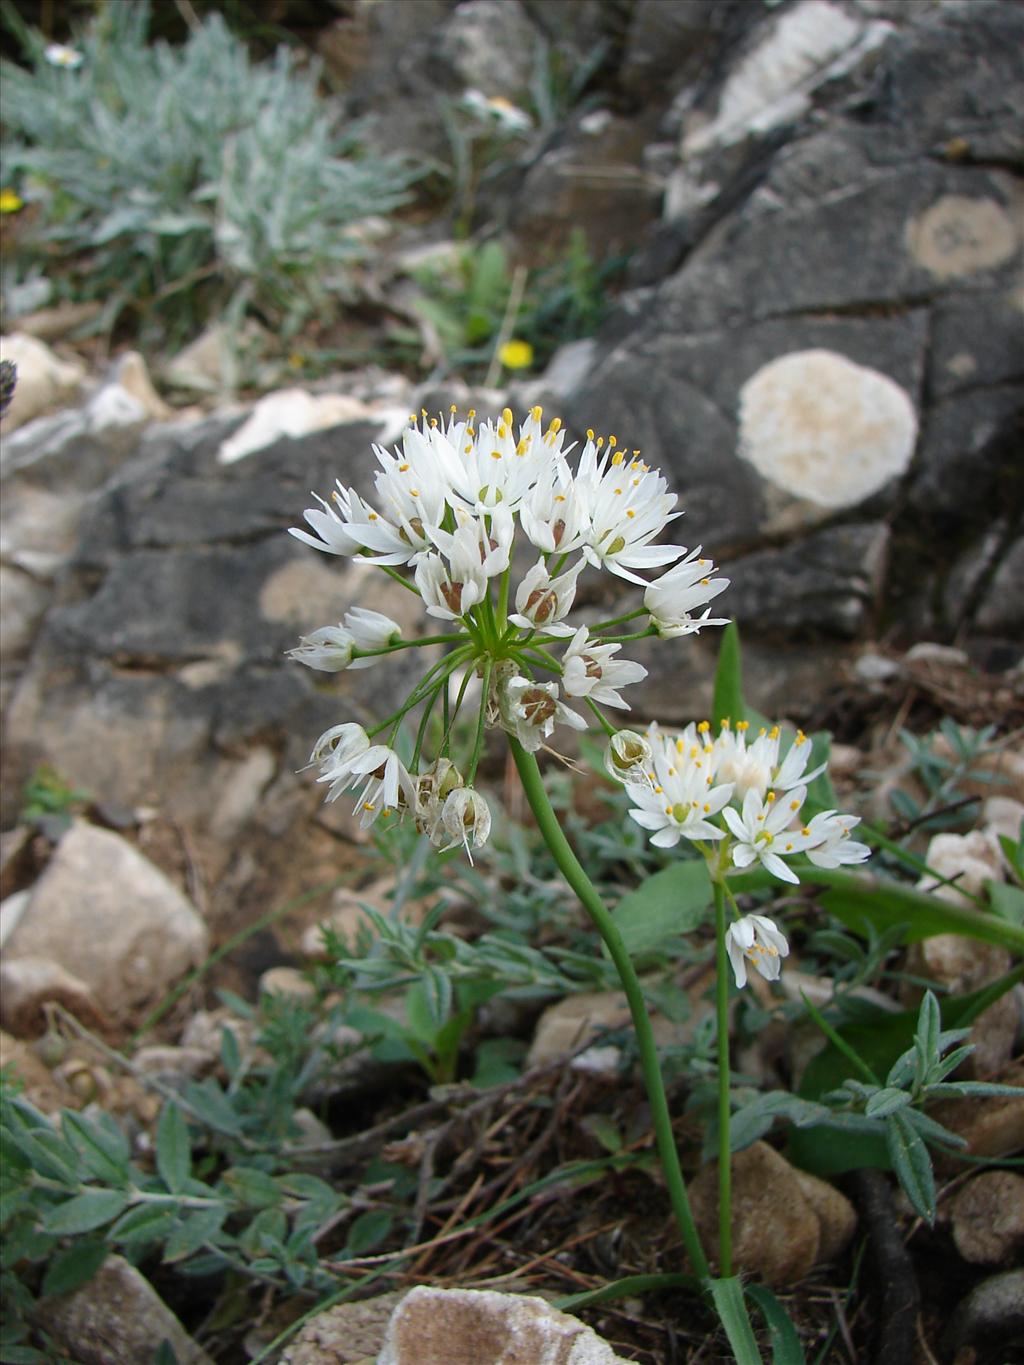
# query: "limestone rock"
[[490, 44], [289, 412], [345, 1334], [991, 1125], [287, 981], [824, 429], [812, 42], [988, 1218], [117, 1318], [104, 913], [44, 380], [784, 1221], [482, 1327], [29, 983], [568, 1025]]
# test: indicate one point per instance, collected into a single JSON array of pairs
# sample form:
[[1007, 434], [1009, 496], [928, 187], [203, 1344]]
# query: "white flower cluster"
[[740, 801], [680, 785], [449, 504]]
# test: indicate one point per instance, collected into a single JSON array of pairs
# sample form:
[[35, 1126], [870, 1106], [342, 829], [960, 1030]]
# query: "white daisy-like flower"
[[370, 630], [757, 940], [530, 710], [674, 597], [763, 834], [588, 670], [59, 54], [542, 601], [328, 649]]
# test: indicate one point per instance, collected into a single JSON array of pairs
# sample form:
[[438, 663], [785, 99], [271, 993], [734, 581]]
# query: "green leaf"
[[368, 1231], [102, 1146], [193, 1232], [1007, 901], [732, 1313], [84, 1212], [74, 1267], [728, 693], [211, 1106], [912, 1163], [173, 1149], [885, 1102], [144, 1223], [671, 903], [786, 1347], [859, 899], [252, 1187]]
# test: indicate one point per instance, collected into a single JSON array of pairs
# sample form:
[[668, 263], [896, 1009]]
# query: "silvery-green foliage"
[[895, 1111], [190, 175]]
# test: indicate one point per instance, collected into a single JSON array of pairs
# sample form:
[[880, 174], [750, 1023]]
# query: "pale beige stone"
[[106, 914], [45, 382], [988, 1217], [784, 1222], [569, 1024], [117, 1318], [286, 981], [345, 1334], [290, 412], [28, 984], [482, 1327], [825, 430], [133, 376], [958, 236]]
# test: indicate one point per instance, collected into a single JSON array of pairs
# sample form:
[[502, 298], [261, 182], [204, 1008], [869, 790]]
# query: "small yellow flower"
[[10, 202], [516, 355]]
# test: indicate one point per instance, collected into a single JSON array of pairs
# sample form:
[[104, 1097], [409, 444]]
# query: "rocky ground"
[[819, 343]]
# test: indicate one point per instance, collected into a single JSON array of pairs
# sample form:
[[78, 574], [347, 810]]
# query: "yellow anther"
[[414, 492], [369, 805], [433, 421], [770, 797], [773, 733], [707, 807], [372, 517], [471, 413], [794, 805], [502, 431], [600, 442], [467, 450], [618, 457], [537, 413], [402, 468], [789, 848], [495, 454], [704, 727], [806, 831], [590, 433], [743, 725], [630, 513], [801, 738], [454, 408], [506, 416], [705, 582], [618, 492], [612, 441]]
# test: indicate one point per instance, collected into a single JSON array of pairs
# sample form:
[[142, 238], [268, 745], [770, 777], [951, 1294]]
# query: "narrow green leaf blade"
[[786, 1347], [912, 1164], [732, 1313], [728, 694]]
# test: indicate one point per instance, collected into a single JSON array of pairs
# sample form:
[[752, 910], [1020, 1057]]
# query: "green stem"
[[551, 831], [724, 1108]]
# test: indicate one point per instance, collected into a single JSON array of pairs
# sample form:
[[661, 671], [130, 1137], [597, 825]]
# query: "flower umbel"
[[448, 506]]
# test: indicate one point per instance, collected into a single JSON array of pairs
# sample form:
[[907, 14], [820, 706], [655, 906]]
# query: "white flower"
[[828, 842], [677, 797], [328, 649], [335, 751], [758, 940], [627, 757], [755, 766], [530, 710], [59, 54], [498, 110], [449, 593], [552, 515], [370, 630], [627, 505], [389, 786], [672, 599], [588, 670], [761, 831], [477, 545], [466, 815], [542, 601]]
